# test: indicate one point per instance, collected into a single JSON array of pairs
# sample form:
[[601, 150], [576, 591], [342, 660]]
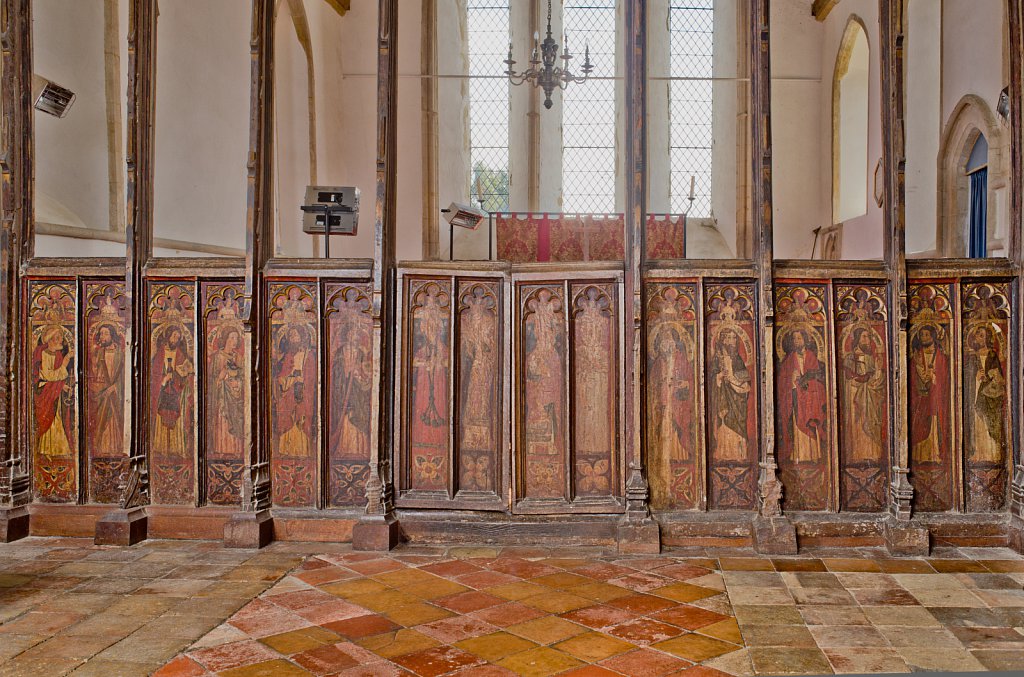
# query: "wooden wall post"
[[16, 211], [638, 531], [1015, 17], [253, 526], [773, 533], [128, 524], [378, 529]]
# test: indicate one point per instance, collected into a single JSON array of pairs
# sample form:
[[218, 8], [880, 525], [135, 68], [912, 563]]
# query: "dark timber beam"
[[128, 524], [253, 526], [378, 528], [821, 8], [16, 212]]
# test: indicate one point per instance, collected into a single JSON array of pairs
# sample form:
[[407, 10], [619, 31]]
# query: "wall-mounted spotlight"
[[464, 216], [330, 210], [50, 98]]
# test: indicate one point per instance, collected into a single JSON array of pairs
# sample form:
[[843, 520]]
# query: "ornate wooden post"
[[773, 533], [128, 524], [378, 529], [1015, 16], [901, 537], [16, 207], [253, 526], [638, 532]]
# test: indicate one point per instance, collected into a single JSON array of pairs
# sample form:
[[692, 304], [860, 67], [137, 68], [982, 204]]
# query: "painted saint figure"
[[53, 394], [729, 397], [544, 380], [802, 399], [671, 373], [986, 387], [294, 381], [227, 404], [593, 392], [864, 387], [478, 365], [430, 394], [171, 375], [106, 391], [350, 404], [929, 397]]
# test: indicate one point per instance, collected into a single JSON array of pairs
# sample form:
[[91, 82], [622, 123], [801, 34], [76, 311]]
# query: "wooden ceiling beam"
[[821, 8], [340, 6]]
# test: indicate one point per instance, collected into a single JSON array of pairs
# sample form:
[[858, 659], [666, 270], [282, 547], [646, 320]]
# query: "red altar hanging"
[[541, 237]]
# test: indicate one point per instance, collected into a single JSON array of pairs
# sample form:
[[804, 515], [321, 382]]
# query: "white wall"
[[923, 64]]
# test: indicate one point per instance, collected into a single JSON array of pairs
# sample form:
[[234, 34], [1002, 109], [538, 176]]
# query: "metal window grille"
[[487, 34], [589, 109], [691, 111]]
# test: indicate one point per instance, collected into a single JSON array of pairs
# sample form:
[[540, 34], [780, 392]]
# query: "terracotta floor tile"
[[727, 630], [601, 592], [450, 568], [768, 614], [822, 596], [688, 617], [486, 579], [539, 662], [326, 659], [495, 646], [327, 574], [354, 588], [874, 597], [300, 599], [431, 590], [701, 671], [182, 666], [451, 630], [402, 577], [904, 566], [273, 623], [516, 591], [1003, 566], [745, 564], [989, 638], [793, 636], [641, 604], [467, 602], [811, 579], [747, 595], [298, 641], [558, 602], [593, 646], [934, 659], [547, 630], [274, 668], [410, 615], [375, 566], [997, 659], [335, 610], [602, 571], [590, 671], [989, 581], [899, 616], [397, 643], [385, 600], [883, 660], [561, 580], [361, 626], [521, 568], [778, 661], [909, 636], [641, 581], [834, 615], [232, 655], [645, 663], [507, 614], [851, 565], [754, 579], [683, 572], [643, 631], [844, 636], [599, 617], [684, 592], [695, 648], [437, 661], [957, 566], [948, 598], [801, 564]]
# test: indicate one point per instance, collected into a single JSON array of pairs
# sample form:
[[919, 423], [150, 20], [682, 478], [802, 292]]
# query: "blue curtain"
[[979, 210]]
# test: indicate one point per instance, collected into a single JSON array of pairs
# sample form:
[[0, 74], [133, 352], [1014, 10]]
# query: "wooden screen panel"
[[479, 391], [862, 384], [428, 373], [105, 323], [986, 391], [732, 387], [349, 392], [803, 404], [294, 393], [931, 423], [226, 383], [52, 392], [542, 378], [172, 393], [675, 465], [595, 420]]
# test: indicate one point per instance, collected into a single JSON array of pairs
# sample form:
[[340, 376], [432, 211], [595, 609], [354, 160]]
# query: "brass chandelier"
[[543, 72]]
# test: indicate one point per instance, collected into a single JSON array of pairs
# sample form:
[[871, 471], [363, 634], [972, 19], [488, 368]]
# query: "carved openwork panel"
[[542, 417], [349, 392], [732, 387], [862, 366], [804, 412], [480, 366], [52, 392], [172, 393], [294, 393], [427, 366], [595, 416], [987, 360], [104, 405], [226, 388], [931, 424], [675, 466]]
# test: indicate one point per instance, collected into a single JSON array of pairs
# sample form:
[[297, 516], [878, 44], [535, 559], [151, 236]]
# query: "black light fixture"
[[543, 72]]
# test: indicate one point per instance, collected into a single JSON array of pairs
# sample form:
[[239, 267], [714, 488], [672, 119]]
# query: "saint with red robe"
[[53, 393], [802, 399], [929, 398], [430, 395], [294, 382]]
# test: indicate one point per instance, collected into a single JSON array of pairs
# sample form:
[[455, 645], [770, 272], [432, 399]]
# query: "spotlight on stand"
[[50, 98], [330, 210], [462, 216]]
